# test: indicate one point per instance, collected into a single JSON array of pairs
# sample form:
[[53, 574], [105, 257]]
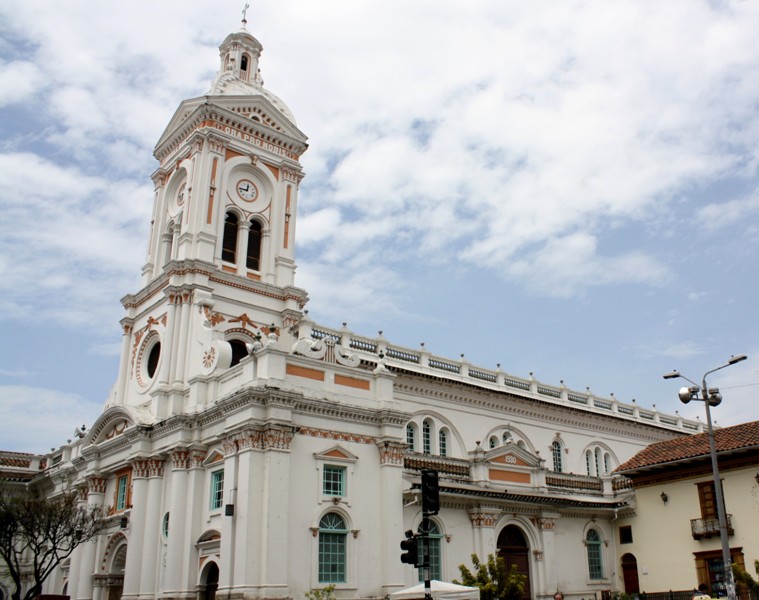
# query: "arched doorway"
[[115, 581], [513, 547], [630, 574], [209, 581]]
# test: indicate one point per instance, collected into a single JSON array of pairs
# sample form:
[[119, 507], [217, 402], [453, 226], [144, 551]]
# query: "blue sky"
[[564, 188]]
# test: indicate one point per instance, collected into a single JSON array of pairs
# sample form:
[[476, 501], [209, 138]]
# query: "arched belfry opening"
[[513, 547]]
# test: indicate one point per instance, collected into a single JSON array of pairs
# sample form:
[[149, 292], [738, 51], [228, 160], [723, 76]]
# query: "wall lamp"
[[756, 477], [664, 497]]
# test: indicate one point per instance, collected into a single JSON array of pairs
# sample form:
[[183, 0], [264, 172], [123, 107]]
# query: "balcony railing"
[[706, 528]]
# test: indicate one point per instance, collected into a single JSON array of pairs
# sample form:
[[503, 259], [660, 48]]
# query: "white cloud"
[[54, 414], [19, 81]]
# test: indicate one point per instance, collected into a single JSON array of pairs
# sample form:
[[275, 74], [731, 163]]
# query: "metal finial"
[[244, 14]]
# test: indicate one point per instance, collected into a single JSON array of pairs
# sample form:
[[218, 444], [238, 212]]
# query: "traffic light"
[[410, 555], [430, 493]]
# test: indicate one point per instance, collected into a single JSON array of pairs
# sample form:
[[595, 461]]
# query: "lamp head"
[[715, 398], [736, 359], [671, 375], [686, 394]]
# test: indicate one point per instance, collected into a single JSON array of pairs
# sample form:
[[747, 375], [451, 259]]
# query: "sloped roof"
[[726, 439]]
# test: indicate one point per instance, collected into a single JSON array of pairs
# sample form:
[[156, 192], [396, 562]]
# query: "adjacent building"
[[249, 452], [673, 540]]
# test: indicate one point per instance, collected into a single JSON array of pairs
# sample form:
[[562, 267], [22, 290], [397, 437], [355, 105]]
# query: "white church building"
[[248, 452]]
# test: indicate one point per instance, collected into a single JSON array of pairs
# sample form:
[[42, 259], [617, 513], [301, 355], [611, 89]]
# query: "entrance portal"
[[210, 581], [630, 574], [513, 547]]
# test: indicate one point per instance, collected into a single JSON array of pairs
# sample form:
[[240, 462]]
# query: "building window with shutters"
[[121, 492], [333, 539]]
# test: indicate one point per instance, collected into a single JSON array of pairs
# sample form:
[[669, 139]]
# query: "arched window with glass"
[[426, 437], [430, 528], [599, 463], [333, 538], [442, 443], [607, 463], [493, 442], [556, 455], [593, 546], [411, 437], [589, 462]]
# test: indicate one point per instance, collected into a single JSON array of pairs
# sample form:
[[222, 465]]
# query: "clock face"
[[247, 190]]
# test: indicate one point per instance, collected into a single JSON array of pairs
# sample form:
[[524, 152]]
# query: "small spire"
[[244, 15]]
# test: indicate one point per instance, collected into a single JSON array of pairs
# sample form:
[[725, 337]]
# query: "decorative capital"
[[484, 519], [180, 459], [544, 523], [391, 453], [96, 485]]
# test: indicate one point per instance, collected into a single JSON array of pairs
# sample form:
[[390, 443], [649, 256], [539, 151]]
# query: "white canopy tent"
[[441, 590]]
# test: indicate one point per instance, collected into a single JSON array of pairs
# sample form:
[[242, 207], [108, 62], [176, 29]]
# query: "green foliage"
[[495, 580], [742, 576], [327, 593]]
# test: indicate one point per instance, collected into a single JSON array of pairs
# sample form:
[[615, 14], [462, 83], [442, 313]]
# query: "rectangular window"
[[334, 481], [331, 557], [626, 534], [121, 492], [217, 489]]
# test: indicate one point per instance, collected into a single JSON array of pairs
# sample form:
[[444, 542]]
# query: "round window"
[[165, 526]]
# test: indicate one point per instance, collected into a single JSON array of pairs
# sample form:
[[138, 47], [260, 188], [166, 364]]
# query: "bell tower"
[[220, 264]]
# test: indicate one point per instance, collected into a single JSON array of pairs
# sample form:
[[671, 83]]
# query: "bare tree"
[[36, 534]]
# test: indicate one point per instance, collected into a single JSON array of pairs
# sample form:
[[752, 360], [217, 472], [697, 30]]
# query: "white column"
[[126, 336], [274, 533], [180, 496], [152, 537], [137, 524], [87, 568], [391, 514], [182, 342], [75, 565], [243, 232], [227, 545]]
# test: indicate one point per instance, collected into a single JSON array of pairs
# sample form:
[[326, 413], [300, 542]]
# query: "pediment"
[[240, 116], [337, 453], [112, 423], [213, 457], [513, 456]]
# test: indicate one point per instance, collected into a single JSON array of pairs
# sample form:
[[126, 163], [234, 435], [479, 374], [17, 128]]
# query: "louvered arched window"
[[229, 239], [253, 258]]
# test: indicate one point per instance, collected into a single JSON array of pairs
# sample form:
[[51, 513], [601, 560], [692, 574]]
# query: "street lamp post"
[[712, 397]]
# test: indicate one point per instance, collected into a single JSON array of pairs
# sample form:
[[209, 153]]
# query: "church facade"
[[248, 452]]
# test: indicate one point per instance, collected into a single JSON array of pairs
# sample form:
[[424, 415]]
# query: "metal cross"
[[244, 12]]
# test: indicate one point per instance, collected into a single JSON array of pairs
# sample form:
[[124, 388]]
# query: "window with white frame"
[[217, 489], [493, 442], [589, 462], [593, 547], [333, 480], [333, 539], [427, 436], [411, 436], [556, 455], [442, 444]]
